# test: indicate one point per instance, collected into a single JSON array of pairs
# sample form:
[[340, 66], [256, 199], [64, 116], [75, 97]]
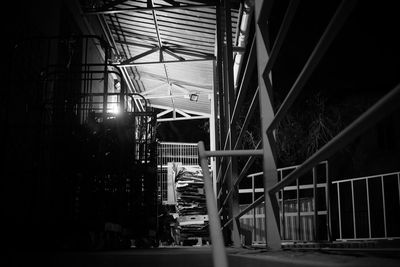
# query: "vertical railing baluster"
[[315, 192], [340, 211], [353, 209], [384, 205], [283, 209], [254, 211], [369, 211], [328, 202], [298, 208], [398, 184]]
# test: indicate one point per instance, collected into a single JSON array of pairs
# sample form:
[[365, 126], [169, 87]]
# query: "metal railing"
[[227, 151], [299, 210], [227, 176], [367, 213]]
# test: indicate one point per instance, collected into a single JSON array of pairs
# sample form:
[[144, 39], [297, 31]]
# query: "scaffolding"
[[95, 142]]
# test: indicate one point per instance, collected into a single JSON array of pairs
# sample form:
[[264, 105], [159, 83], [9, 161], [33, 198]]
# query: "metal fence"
[[301, 207], [367, 207], [185, 154]]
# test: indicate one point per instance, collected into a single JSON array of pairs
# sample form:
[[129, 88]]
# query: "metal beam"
[[183, 118], [166, 62], [185, 110], [191, 53], [141, 9], [169, 52], [134, 44], [149, 52]]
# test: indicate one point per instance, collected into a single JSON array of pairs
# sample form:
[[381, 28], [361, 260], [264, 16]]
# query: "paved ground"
[[199, 257]]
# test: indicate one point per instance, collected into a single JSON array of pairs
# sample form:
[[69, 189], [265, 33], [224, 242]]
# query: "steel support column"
[[231, 135], [273, 239], [221, 103]]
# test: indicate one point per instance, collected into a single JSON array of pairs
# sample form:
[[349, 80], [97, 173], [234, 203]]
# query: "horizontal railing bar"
[[255, 174], [233, 153], [279, 169], [305, 213], [369, 238], [250, 190], [365, 177], [332, 29], [384, 106], [290, 188]]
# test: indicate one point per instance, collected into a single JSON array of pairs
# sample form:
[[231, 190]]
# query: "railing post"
[[328, 202], [384, 205], [218, 246], [315, 193], [339, 210], [298, 209], [273, 238], [353, 209], [369, 212]]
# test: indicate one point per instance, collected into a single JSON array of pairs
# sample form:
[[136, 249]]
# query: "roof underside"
[[167, 48]]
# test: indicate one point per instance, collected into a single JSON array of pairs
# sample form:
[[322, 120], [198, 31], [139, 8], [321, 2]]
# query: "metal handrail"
[[219, 253]]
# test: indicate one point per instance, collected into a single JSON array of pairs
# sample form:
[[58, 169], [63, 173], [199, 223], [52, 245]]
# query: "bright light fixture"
[[194, 97]]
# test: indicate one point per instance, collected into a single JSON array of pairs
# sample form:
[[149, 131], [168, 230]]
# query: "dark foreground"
[[199, 257]]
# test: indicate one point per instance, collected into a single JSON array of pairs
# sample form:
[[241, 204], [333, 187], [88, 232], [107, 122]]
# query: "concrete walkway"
[[199, 257]]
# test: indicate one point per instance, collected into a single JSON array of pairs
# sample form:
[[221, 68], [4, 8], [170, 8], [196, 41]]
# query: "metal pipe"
[[218, 248], [233, 153]]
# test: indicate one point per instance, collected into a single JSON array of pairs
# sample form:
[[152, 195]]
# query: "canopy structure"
[[166, 50]]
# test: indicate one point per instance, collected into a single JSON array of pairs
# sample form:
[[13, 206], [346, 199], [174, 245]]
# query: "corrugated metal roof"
[[147, 33]]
